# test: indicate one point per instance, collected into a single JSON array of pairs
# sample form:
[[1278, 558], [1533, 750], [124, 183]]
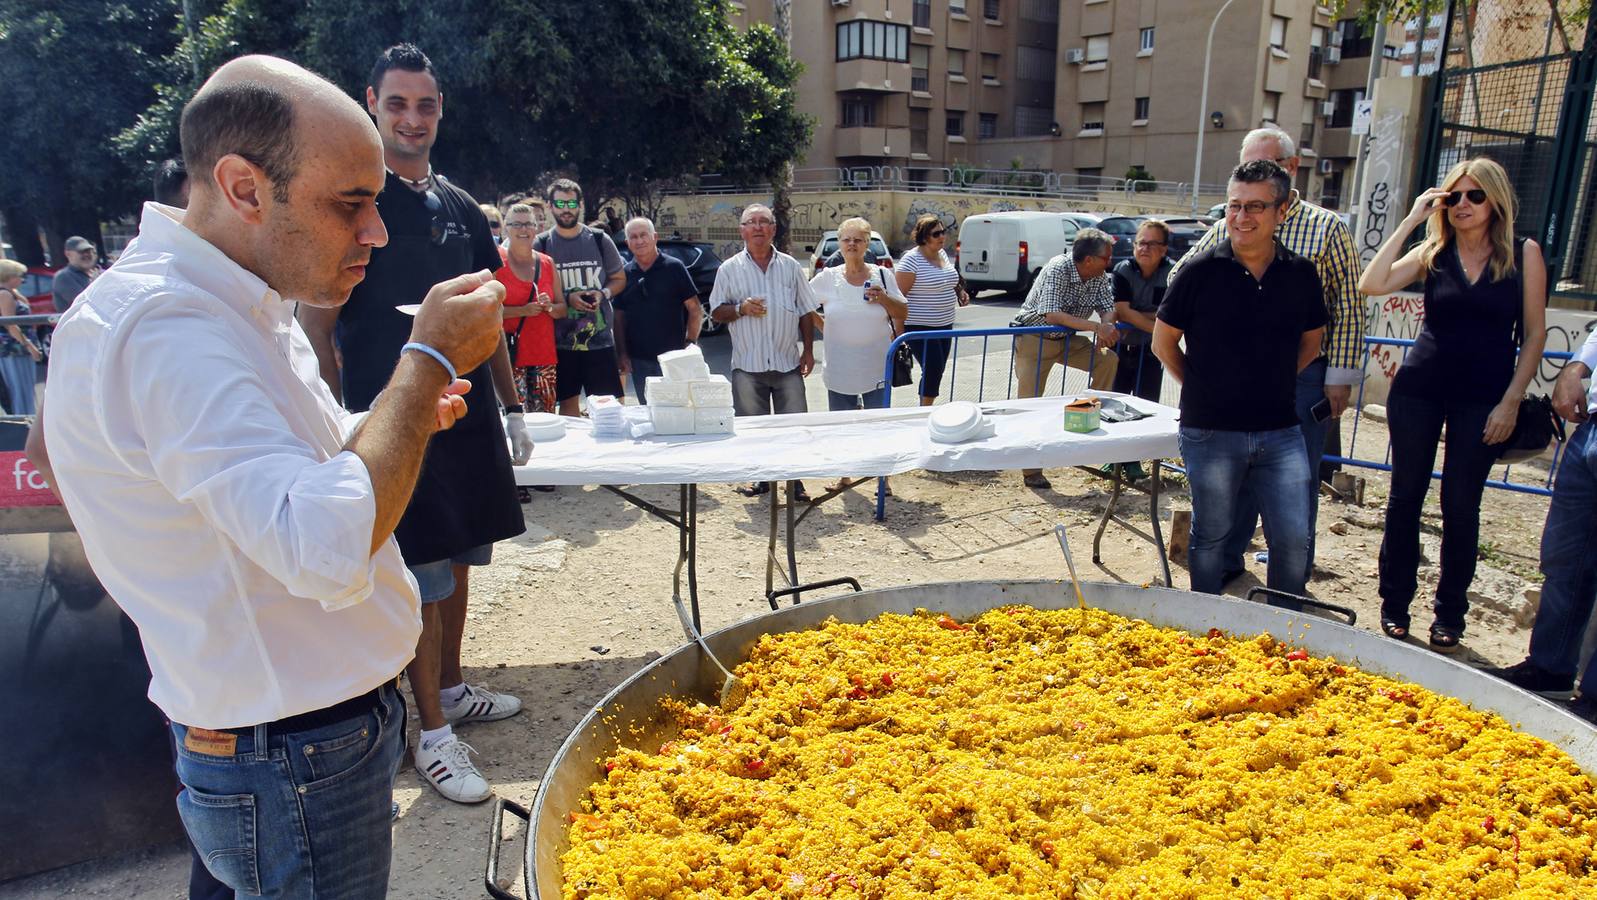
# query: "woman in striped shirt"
[[930, 285]]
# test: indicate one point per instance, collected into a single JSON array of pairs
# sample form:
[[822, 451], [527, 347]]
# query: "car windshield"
[[687, 254]]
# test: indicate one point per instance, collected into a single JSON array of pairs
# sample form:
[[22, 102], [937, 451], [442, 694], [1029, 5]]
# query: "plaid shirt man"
[[1319, 235], [1059, 288]]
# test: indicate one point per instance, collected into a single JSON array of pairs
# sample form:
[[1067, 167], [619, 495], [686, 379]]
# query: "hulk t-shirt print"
[[584, 263]]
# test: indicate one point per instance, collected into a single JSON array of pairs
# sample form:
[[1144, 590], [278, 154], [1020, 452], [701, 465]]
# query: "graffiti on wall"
[[1384, 187]]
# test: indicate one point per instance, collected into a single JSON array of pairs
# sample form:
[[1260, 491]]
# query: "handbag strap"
[[891, 325]]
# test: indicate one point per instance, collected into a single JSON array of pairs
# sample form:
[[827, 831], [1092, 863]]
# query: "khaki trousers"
[[1035, 358]]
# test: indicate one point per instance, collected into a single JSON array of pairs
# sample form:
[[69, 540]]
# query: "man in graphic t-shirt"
[[591, 273]]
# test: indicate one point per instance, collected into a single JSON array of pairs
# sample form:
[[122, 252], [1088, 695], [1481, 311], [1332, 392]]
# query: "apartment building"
[[1091, 87]]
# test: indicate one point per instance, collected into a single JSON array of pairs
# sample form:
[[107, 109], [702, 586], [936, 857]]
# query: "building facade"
[[1090, 88]]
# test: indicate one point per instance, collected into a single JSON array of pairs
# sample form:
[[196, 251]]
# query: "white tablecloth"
[[1029, 434]]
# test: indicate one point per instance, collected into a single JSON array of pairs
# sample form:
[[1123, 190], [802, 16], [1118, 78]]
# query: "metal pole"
[[1203, 107], [1377, 63]]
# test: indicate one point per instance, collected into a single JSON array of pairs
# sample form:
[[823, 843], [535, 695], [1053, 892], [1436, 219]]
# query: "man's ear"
[[440, 104], [243, 186], [371, 100]]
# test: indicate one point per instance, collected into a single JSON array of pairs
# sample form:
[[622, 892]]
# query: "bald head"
[[261, 108]]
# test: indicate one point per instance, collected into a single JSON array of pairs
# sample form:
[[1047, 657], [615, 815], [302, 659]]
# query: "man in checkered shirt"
[[1068, 290]]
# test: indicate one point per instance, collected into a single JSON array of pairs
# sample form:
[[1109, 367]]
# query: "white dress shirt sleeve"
[[804, 295], [214, 439], [1588, 352]]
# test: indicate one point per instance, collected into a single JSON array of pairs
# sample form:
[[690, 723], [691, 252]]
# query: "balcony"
[[871, 142], [873, 75], [1336, 142]]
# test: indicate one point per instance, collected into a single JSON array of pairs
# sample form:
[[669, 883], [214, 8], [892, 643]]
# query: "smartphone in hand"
[[1321, 411]]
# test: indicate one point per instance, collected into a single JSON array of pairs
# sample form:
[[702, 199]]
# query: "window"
[[1278, 32], [919, 122], [956, 62], [1306, 137], [858, 111], [987, 127], [1034, 121], [989, 67], [990, 10], [955, 124], [1342, 108], [956, 7], [1098, 48], [1355, 44], [1272, 106], [860, 39], [1035, 64], [919, 61], [1140, 109], [1092, 118], [1316, 52], [921, 15], [1145, 40]]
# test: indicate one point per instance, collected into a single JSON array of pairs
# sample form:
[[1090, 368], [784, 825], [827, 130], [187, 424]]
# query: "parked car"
[[1217, 212], [702, 262], [826, 255], [37, 286], [1184, 232], [1006, 250], [1083, 219]]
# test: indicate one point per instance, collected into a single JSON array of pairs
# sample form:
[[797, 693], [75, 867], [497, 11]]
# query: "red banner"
[[21, 484]]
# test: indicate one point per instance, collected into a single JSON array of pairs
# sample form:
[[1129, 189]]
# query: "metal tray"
[[631, 713]]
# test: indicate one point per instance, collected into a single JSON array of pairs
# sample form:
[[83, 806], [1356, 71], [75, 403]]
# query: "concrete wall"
[[714, 217]]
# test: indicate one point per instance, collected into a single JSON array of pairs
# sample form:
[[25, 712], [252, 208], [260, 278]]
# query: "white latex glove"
[[520, 441]]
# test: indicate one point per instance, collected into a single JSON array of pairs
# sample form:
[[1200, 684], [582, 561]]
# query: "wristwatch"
[[605, 293]]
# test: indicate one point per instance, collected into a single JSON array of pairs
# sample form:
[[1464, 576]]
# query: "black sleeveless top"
[[466, 495], [1466, 348]]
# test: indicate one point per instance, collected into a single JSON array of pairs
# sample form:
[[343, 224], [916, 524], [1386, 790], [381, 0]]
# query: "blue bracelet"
[[419, 347]]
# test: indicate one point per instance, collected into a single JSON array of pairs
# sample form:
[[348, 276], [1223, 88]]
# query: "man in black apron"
[[466, 498]]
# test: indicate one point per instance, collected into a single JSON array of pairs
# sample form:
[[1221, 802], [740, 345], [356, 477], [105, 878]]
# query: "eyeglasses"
[[1476, 196], [1252, 207], [520, 226], [1146, 244], [567, 204], [757, 223], [438, 228]]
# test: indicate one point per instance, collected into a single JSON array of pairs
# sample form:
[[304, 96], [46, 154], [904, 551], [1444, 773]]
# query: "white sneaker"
[[481, 705], [447, 766]]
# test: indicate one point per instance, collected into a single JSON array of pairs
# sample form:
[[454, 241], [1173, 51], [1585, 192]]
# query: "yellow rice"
[[1080, 754]]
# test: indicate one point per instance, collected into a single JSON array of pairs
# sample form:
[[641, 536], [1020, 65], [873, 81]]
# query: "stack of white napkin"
[[608, 416], [687, 399]]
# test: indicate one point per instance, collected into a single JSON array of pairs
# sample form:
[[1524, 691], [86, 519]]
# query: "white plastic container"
[[668, 393], [542, 426], [713, 420], [672, 419], [686, 364], [957, 422], [714, 392]]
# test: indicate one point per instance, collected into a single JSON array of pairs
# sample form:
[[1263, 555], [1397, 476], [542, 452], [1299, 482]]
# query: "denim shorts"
[[300, 814], [437, 579]]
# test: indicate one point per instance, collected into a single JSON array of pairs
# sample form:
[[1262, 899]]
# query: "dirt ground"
[[583, 600]]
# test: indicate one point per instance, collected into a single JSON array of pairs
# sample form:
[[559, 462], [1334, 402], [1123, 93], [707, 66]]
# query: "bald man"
[[237, 514]]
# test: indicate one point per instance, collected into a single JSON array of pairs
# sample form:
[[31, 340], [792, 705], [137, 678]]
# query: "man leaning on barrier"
[[1069, 289], [234, 511]]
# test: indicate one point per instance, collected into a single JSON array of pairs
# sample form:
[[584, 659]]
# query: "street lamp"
[[1203, 105]]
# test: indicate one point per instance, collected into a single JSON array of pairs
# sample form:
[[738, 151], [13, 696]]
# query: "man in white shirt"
[[1568, 563], [229, 505], [765, 301]]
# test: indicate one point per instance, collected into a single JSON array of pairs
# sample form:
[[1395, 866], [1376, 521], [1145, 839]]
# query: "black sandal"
[[755, 489], [1444, 639], [1393, 630]]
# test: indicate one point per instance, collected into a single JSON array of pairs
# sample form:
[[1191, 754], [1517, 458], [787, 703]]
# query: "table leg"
[[1108, 513], [690, 537], [1153, 515], [770, 551], [792, 525]]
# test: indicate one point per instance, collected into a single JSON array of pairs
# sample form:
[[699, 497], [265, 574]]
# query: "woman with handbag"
[[1483, 290], [930, 285]]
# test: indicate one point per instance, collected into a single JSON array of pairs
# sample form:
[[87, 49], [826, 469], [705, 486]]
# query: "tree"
[[76, 72]]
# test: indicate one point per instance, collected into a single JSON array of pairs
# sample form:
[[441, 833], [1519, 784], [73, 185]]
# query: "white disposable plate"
[[409, 309]]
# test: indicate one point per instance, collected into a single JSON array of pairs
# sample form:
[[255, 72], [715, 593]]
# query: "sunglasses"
[[494, 225], [1476, 196], [938, 233], [438, 229], [567, 204]]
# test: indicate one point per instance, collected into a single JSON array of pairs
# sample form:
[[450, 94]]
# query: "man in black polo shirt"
[[658, 312], [1252, 313]]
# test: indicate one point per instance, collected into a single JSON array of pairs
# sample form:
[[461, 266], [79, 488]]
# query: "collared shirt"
[[768, 343], [1143, 294], [1588, 354], [1320, 236], [65, 287], [1059, 288], [1242, 336], [201, 459]]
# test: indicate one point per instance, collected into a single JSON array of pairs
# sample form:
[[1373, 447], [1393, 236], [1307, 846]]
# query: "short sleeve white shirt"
[[768, 343], [857, 332]]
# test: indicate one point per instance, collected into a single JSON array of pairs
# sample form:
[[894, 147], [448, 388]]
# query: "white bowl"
[[955, 422], [542, 426]]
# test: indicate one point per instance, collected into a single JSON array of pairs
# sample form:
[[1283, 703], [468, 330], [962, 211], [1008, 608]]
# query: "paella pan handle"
[[496, 836], [1295, 601], [797, 589]]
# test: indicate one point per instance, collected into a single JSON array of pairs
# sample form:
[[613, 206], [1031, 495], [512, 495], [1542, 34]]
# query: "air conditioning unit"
[[1333, 55], [1074, 56], [840, 2], [1325, 167], [1328, 108]]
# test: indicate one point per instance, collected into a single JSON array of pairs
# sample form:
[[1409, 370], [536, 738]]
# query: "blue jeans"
[[298, 815], [436, 580], [836, 402], [762, 393], [642, 368], [1272, 467], [1310, 390], [1569, 562]]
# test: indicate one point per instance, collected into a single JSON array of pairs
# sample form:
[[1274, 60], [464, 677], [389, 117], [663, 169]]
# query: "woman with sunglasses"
[[1485, 302], [930, 284]]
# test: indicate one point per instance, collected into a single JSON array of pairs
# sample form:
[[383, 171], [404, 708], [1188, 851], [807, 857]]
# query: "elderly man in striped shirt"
[[1326, 386], [765, 301]]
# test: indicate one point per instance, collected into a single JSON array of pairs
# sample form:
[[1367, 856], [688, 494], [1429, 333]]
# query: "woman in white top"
[[863, 309], [930, 285]]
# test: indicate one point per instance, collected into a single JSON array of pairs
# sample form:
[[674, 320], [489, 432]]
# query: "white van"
[[1006, 250]]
